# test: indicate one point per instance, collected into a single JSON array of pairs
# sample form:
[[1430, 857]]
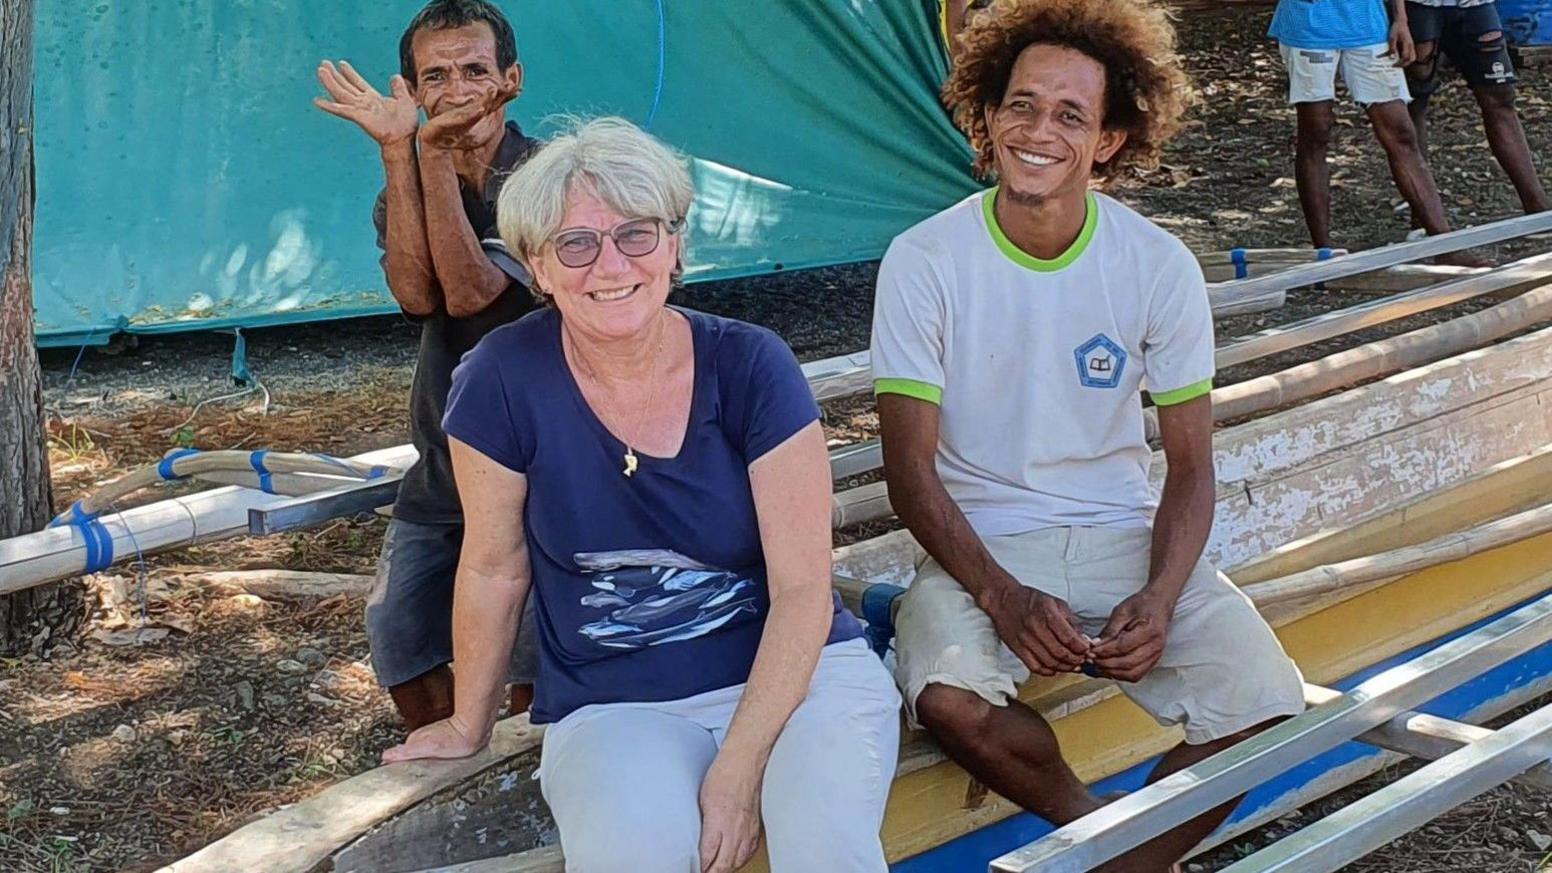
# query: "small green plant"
[[18, 811], [228, 734], [183, 437]]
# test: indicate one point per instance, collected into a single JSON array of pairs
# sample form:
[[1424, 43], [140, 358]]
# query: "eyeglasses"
[[636, 238]]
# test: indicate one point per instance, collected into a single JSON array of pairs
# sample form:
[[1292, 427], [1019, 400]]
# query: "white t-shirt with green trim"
[[1037, 365]]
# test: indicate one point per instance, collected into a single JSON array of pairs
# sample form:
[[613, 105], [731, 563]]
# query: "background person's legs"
[[1311, 174], [409, 618], [1393, 128], [1312, 91]]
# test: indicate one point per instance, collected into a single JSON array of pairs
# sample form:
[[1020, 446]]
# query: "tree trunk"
[[29, 620]]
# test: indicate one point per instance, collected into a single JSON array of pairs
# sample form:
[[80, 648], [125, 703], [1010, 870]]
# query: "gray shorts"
[[1222, 671], [409, 615]]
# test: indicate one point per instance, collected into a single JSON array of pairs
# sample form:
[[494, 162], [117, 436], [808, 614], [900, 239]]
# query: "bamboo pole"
[[220, 513], [287, 463], [1377, 569], [1379, 358], [1385, 309]]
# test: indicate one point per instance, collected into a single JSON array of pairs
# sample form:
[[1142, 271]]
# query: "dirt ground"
[[121, 756]]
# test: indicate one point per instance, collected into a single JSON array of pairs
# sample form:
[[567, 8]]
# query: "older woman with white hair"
[[657, 478]]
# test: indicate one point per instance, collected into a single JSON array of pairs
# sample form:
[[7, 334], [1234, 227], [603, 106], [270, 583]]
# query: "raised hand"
[[388, 119], [454, 129]]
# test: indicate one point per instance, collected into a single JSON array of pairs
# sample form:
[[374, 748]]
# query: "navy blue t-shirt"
[[650, 587]]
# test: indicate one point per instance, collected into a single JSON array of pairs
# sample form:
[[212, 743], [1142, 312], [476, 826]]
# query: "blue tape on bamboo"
[[377, 472], [165, 470], [1323, 255], [1241, 261], [256, 461], [878, 604], [95, 537]]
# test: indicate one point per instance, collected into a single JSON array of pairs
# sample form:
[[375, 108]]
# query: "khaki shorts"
[[1370, 74], [1222, 670]]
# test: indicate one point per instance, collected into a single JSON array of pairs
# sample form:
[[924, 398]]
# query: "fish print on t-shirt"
[[647, 597]]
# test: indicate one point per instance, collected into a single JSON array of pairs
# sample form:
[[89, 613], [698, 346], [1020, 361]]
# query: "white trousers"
[[623, 779]]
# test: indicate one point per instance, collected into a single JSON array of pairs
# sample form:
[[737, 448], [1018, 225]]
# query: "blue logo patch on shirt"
[[1100, 362]]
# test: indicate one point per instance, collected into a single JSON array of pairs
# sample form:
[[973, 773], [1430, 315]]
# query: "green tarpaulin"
[[185, 180]]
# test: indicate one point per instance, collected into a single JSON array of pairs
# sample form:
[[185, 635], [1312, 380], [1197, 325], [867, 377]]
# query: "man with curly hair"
[[1011, 337]]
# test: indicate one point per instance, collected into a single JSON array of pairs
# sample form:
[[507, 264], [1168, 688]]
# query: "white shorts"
[[623, 779], [1222, 670], [1370, 74]]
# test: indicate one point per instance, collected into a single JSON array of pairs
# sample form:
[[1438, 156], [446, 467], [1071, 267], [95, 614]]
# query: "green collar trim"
[[1025, 259]]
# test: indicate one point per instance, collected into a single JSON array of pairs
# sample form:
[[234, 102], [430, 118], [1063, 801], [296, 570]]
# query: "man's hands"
[[1133, 639], [1040, 629], [730, 815], [388, 119], [1044, 633], [1402, 48], [448, 738], [453, 130]]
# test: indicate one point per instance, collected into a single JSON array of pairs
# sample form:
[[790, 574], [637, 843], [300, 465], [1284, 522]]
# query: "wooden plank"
[[299, 838], [1501, 489], [497, 812], [1379, 475]]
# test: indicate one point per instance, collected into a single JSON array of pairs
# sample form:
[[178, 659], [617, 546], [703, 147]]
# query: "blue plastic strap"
[[98, 542], [1323, 255], [377, 472], [165, 470], [878, 603], [1240, 259], [240, 372], [256, 461]]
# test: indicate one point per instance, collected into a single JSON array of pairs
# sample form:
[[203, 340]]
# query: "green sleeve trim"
[[1025, 259], [1181, 395], [910, 388]]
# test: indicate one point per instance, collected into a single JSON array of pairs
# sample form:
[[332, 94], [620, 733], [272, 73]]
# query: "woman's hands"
[[451, 737], [730, 814]]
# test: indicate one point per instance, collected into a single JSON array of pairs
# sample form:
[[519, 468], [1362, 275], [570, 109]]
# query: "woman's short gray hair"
[[630, 170]]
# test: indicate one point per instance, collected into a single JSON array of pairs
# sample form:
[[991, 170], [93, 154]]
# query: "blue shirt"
[[651, 587], [1330, 24]]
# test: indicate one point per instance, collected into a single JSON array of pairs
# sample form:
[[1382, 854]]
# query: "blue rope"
[[1241, 264], [98, 542], [165, 470], [662, 64], [256, 461]]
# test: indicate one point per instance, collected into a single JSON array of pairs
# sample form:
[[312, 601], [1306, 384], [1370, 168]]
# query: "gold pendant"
[[630, 462]]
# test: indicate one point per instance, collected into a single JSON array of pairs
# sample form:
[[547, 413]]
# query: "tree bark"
[[30, 621]]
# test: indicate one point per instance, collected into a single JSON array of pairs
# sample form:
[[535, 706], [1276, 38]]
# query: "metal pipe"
[[1404, 805]]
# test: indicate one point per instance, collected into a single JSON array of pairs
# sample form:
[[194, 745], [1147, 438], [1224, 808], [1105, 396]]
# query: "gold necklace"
[[631, 462]]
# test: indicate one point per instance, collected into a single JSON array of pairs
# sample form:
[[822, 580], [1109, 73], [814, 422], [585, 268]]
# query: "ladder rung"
[[1408, 803], [1429, 737]]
